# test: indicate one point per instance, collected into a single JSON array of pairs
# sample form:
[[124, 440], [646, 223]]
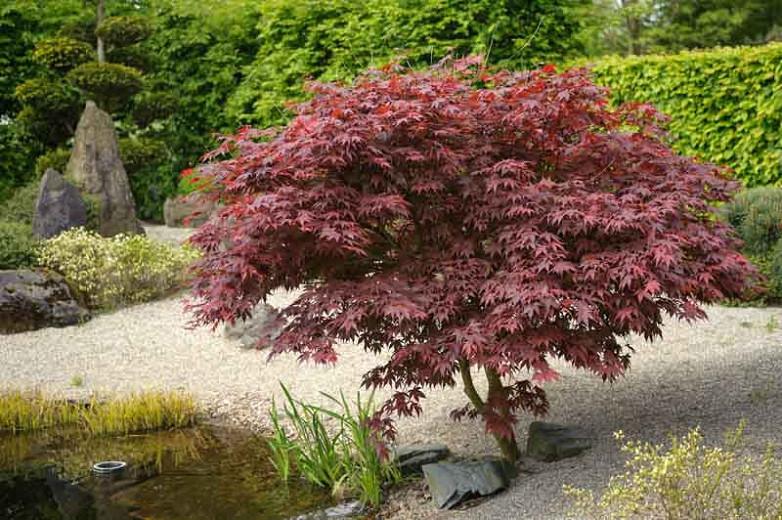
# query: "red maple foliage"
[[459, 218]]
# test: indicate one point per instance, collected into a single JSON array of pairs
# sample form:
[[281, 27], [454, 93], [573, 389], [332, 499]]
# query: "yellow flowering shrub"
[[116, 271], [688, 481]]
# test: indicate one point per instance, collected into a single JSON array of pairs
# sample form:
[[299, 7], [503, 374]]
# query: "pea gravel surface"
[[711, 374]]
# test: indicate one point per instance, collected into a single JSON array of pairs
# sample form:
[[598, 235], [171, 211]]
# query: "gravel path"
[[711, 374]]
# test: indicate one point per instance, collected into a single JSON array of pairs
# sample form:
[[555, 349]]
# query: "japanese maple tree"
[[461, 219]]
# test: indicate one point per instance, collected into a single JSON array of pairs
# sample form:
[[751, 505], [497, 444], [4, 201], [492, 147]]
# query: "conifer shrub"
[[756, 214]]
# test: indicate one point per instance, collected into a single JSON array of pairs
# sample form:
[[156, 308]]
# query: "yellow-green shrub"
[[712, 483], [725, 104], [116, 271]]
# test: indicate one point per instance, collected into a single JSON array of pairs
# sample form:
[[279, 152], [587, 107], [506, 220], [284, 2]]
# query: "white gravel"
[[710, 375]]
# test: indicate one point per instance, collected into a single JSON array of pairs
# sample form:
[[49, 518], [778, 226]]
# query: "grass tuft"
[[26, 412]]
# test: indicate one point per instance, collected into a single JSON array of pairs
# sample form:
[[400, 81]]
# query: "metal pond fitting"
[[108, 466]]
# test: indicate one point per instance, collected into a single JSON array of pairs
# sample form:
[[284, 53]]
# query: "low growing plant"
[[688, 481], [17, 245], [337, 449], [25, 412], [116, 271]]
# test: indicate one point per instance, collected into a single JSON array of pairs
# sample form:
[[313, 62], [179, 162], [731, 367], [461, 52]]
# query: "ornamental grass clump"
[[688, 481], [467, 222], [116, 271], [34, 411]]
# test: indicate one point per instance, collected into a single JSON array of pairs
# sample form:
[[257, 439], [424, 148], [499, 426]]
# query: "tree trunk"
[[100, 16], [508, 446]]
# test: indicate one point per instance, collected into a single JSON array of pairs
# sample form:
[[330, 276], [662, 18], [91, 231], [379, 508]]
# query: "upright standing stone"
[[59, 206], [96, 167]]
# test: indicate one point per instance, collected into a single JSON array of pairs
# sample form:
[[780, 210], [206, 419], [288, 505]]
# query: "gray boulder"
[[189, 211], [451, 483], [410, 459], [59, 206], [95, 166], [549, 442], [265, 324], [32, 300]]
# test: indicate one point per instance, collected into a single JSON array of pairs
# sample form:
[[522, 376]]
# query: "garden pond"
[[201, 473]]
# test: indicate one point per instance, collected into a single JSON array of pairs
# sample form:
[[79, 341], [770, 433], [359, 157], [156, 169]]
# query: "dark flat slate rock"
[[59, 206], [550, 442], [451, 483], [411, 458]]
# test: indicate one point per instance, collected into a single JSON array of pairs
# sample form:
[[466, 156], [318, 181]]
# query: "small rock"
[[31, 300], [59, 206], [410, 459], [265, 323], [344, 510], [549, 442], [189, 211], [451, 483]]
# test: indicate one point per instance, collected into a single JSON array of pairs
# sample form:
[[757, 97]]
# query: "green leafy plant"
[[725, 104], [122, 31], [140, 153], [116, 271], [17, 245], [109, 84], [20, 207], [56, 159], [77, 381], [686, 479], [338, 449], [62, 53], [334, 40], [47, 95]]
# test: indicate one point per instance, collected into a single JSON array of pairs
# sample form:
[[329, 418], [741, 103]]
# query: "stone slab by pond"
[[411, 459], [59, 206], [31, 300], [451, 483], [549, 442]]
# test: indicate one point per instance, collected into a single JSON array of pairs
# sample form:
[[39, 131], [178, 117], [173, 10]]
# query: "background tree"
[[464, 221], [653, 26]]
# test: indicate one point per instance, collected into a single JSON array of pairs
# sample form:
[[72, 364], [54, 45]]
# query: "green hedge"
[[725, 104]]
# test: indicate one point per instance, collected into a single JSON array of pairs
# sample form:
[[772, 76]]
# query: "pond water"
[[203, 473]]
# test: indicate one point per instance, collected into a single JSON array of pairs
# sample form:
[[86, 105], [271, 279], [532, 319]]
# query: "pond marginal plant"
[[337, 448], [33, 411]]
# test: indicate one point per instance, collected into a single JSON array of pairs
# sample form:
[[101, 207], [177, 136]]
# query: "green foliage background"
[[725, 104], [335, 39]]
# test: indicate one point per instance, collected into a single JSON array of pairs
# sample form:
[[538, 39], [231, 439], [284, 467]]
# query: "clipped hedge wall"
[[725, 104]]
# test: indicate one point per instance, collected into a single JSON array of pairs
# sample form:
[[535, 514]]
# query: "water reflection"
[[195, 474]]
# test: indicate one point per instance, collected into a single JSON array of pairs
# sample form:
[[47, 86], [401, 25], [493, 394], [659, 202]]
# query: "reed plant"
[[146, 411], [332, 448]]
